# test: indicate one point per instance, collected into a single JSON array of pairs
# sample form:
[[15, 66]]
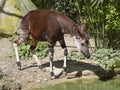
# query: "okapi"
[[50, 26]]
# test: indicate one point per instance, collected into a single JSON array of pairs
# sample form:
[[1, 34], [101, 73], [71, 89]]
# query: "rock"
[[87, 73], [117, 71], [38, 81], [109, 73], [8, 85], [11, 12], [74, 74], [6, 48], [58, 72], [45, 79]]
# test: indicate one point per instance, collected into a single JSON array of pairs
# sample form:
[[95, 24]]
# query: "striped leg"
[[51, 52], [16, 44], [23, 35], [65, 61], [63, 45], [33, 52]]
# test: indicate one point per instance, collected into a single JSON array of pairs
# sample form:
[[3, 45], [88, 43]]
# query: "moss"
[[9, 20]]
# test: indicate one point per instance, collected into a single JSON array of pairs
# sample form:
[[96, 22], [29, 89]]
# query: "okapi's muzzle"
[[83, 47], [86, 54]]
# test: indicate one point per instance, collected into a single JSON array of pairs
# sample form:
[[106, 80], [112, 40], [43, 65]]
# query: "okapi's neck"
[[66, 24]]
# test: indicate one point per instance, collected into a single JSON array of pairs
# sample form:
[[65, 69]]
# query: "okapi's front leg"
[[33, 52], [51, 52], [16, 44], [65, 61], [63, 45]]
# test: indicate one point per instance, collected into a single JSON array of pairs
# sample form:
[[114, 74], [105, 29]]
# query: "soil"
[[31, 76]]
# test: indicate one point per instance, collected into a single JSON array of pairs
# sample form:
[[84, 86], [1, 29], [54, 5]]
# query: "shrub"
[[24, 52], [107, 58]]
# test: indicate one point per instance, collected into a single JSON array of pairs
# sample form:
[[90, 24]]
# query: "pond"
[[86, 84]]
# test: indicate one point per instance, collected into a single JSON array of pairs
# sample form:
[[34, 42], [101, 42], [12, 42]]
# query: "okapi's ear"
[[82, 28], [88, 36]]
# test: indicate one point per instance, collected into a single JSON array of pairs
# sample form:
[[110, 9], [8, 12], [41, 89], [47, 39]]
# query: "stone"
[[45, 79], [109, 73], [117, 71], [11, 13], [74, 74], [58, 72], [87, 73]]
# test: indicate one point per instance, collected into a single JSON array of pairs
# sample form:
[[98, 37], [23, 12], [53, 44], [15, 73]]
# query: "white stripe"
[[65, 60], [78, 43], [16, 52], [51, 66]]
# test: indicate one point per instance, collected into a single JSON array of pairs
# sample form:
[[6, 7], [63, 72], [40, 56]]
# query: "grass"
[[24, 52], [107, 58]]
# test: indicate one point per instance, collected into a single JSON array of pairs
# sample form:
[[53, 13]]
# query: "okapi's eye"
[[82, 44], [87, 41]]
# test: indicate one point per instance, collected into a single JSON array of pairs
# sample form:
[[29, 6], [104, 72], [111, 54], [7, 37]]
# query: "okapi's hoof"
[[52, 76], [19, 65]]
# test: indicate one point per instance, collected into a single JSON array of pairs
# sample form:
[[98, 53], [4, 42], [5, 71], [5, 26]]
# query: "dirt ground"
[[31, 76]]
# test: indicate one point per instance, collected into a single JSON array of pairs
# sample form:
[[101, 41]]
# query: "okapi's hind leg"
[[63, 45], [51, 52], [16, 44], [33, 52]]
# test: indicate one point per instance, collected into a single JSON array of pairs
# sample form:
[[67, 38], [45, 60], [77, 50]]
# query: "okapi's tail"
[[23, 31]]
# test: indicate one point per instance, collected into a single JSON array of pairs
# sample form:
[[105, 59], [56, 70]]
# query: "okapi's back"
[[38, 18], [39, 22]]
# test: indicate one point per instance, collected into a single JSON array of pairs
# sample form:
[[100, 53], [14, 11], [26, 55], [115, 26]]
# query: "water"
[[86, 84]]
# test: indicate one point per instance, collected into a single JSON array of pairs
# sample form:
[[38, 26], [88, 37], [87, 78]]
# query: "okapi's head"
[[82, 40]]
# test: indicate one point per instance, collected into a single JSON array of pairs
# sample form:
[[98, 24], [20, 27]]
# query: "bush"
[[107, 58], [75, 55], [24, 52]]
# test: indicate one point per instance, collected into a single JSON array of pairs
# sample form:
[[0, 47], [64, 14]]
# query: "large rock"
[[11, 12]]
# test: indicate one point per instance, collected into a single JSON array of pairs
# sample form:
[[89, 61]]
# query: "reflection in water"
[[86, 84]]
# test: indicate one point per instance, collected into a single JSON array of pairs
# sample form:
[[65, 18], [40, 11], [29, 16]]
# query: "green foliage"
[[65, 6], [75, 55], [24, 52], [105, 54], [68, 7], [107, 58], [41, 50]]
